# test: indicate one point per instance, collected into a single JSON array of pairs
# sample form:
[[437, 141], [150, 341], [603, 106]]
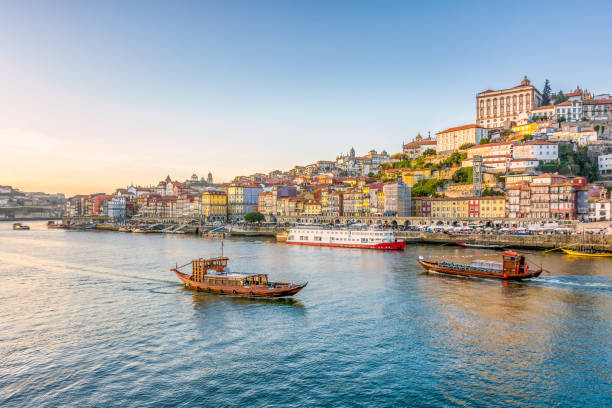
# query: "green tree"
[[426, 187], [559, 97], [429, 152], [571, 163], [454, 159], [466, 146], [484, 140], [488, 191], [463, 175], [546, 93], [254, 216]]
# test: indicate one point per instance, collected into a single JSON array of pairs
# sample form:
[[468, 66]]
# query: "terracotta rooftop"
[[454, 129]]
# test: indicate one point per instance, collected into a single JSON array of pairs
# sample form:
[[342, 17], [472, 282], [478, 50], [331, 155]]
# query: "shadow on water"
[[203, 300]]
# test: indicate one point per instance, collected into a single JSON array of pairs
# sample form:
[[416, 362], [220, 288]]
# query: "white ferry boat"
[[346, 238]]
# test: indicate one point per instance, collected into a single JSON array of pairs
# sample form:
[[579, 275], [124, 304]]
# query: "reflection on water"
[[96, 318]]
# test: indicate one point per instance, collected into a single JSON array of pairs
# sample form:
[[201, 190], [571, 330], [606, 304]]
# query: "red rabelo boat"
[[211, 275], [513, 267]]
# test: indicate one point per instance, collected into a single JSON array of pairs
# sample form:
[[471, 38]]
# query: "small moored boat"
[[512, 267], [480, 246], [19, 226], [584, 250], [211, 275], [55, 225]]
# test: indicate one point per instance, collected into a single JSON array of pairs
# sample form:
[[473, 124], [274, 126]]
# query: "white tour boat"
[[346, 238]]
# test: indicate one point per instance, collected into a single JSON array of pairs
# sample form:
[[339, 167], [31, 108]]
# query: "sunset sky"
[[96, 95]]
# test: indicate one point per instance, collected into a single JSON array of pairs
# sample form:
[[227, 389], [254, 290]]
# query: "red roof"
[[535, 143], [566, 103], [597, 101], [454, 129], [491, 144], [544, 107], [418, 143]]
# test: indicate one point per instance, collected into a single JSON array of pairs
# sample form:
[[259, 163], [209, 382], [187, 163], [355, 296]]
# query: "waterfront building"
[[415, 149], [242, 199], [75, 206], [451, 139], [397, 199], [377, 199], [496, 109], [518, 200], [332, 203], [487, 207], [548, 196], [312, 207], [421, 206], [187, 205], [467, 207], [353, 202], [544, 151], [600, 209], [213, 206], [290, 206], [266, 204], [116, 208]]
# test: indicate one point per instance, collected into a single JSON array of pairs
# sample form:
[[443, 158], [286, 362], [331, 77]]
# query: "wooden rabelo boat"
[[512, 267], [479, 246], [211, 275], [585, 250]]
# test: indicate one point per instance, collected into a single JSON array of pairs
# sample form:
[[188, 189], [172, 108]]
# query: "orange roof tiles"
[[454, 129]]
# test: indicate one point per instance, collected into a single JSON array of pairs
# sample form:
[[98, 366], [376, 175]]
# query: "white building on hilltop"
[[545, 151], [449, 140]]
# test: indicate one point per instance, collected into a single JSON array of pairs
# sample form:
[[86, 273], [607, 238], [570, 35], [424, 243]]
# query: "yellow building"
[[525, 130], [214, 205], [411, 176], [492, 207], [449, 207], [312, 207], [469, 207]]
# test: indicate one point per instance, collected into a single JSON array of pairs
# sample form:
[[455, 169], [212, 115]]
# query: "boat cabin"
[[220, 276], [513, 263]]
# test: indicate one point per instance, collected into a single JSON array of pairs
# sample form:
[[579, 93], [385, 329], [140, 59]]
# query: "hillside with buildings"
[[521, 157]]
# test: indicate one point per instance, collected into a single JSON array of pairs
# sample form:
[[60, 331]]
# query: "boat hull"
[[434, 267], [388, 246], [479, 246], [578, 253], [243, 291]]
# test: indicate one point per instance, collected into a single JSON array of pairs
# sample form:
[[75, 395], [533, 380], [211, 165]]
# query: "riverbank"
[[535, 241], [547, 241]]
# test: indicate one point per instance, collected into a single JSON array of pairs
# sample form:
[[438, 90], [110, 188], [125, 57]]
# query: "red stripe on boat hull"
[[398, 245]]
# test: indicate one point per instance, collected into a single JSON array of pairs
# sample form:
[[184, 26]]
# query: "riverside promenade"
[[536, 241]]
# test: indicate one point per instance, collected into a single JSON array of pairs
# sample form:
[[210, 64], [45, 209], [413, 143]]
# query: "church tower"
[[210, 178]]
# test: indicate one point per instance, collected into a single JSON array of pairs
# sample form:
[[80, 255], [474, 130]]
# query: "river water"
[[96, 319]]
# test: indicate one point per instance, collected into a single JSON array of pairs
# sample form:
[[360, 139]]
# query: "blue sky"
[[101, 94]]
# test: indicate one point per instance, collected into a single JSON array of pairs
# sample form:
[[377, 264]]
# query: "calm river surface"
[[97, 319]]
